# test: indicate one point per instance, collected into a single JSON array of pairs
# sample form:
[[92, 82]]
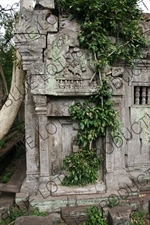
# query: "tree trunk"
[[10, 109]]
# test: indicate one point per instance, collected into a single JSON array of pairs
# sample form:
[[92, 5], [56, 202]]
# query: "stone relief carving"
[[67, 67], [30, 35], [37, 22], [64, 67], [116, 80], [65, 59]]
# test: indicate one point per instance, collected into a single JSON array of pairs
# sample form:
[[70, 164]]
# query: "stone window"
[[141, 95]]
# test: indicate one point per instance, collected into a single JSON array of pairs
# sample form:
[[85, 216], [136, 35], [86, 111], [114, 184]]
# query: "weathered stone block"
[[74, 215], [32, 220], [46, 3], [119, 215]]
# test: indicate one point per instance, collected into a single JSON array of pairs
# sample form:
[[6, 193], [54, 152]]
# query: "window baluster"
[[137, 95], [148, 95], [143, 95]]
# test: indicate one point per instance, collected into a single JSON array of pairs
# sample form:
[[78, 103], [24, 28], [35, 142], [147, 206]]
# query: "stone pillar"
[[31, 141], [41, 111], [109, 170], [116, 175]]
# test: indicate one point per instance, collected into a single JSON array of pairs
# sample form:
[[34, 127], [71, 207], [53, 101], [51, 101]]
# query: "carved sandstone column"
[[109, 163], [31, 141], [41, 111]]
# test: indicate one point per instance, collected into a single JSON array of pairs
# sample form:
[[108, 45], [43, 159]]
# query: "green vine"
[[110, 29], [94, 115]]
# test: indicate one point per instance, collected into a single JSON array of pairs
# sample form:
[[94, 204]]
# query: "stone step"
[[119, 215], [74, 215], [51, 219]]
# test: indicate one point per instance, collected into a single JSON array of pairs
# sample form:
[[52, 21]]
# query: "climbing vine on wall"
[[110, 29], [94, 115]]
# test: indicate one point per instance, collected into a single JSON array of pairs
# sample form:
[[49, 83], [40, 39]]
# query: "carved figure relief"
[[67, 67], [64, 59]]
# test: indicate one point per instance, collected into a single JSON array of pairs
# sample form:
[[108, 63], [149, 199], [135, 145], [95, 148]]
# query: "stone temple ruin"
[[58, 73]]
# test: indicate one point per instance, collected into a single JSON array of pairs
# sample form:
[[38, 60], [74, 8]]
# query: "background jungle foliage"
[[7, 21]]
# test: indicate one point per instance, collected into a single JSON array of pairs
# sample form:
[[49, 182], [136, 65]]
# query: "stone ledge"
[[51, 219]]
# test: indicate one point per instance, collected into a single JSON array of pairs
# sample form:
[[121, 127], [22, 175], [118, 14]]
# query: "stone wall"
[[58, 73]]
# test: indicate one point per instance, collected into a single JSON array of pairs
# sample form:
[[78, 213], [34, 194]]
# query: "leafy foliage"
[[94, 217], [94, 115], [7, 20], [81, 168], [15, 212], [138, 218], [110, 28]]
